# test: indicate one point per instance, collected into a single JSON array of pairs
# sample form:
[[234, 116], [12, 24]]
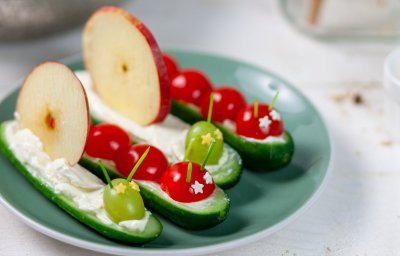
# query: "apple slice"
[[126, 65], [53, 105]]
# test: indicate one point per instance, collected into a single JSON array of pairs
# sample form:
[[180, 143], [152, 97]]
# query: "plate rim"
[[200, 249]]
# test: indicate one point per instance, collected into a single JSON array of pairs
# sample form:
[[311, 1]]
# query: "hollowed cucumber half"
[[153, 227], [198, 215], [226, 173], [259, 156]]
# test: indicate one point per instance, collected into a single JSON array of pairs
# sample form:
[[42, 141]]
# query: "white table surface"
[[359, 211]]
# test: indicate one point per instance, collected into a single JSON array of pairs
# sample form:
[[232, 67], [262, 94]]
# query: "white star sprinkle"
[[275, 115], [207, 178], [264, 122], [197, 187]]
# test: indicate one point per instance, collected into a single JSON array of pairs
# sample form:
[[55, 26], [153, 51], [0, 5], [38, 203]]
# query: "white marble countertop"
[[358, 213]]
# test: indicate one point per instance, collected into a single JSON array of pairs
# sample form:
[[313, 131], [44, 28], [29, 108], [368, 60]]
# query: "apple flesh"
[[126, 65], [53, 105]]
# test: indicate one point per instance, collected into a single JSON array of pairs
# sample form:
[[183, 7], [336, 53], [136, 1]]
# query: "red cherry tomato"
[[227, 103], [105, 140], [172, 66], [267, 123], [190, 86], [151, 168], [173, 182]]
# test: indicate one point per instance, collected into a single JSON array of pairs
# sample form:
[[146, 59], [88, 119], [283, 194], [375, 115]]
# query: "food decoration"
[[187, 181], [130, 82], [121, 197], [259, 121], [255, 131], [200, 137]]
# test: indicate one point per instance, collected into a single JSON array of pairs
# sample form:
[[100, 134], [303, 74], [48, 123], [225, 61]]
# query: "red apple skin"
[[164, 82], [84, 93]]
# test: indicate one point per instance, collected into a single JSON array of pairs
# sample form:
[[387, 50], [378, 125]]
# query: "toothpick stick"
[[138, 163], [189, 148], [255, 109], [189, 173], [315, 8], [208, 154], [271, 106], [210, 107], [105, 174]]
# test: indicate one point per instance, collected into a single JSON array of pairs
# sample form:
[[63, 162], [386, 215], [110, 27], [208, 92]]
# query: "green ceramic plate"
[[262, 203]]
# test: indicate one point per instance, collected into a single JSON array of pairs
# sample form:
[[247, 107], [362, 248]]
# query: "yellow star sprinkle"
[[206, 139], [120, 188], [134, 186], [218, 134]]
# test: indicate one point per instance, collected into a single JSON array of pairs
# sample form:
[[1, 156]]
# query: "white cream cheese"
[[269, 139], [229, 124], [74, 182], [136, 224]]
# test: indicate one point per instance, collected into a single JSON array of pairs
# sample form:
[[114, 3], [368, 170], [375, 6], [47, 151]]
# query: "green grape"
[[198, 141], [126, 205]]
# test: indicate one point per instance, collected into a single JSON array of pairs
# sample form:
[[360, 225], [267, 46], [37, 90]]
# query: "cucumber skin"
[[219, 179], [185, 219], [256, 156], [236, 168], [65, 204]]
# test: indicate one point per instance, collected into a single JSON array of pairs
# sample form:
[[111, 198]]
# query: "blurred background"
[[272, 33], [332, 50]]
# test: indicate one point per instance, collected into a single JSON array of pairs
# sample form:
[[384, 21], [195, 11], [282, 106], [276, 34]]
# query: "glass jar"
[[368, 20]]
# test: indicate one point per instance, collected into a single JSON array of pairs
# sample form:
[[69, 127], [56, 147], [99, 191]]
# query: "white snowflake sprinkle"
[[264, 122], [275, 115], [197, 187], [207, 178]]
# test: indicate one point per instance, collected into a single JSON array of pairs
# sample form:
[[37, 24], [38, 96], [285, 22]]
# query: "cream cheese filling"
[[73, 182]]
